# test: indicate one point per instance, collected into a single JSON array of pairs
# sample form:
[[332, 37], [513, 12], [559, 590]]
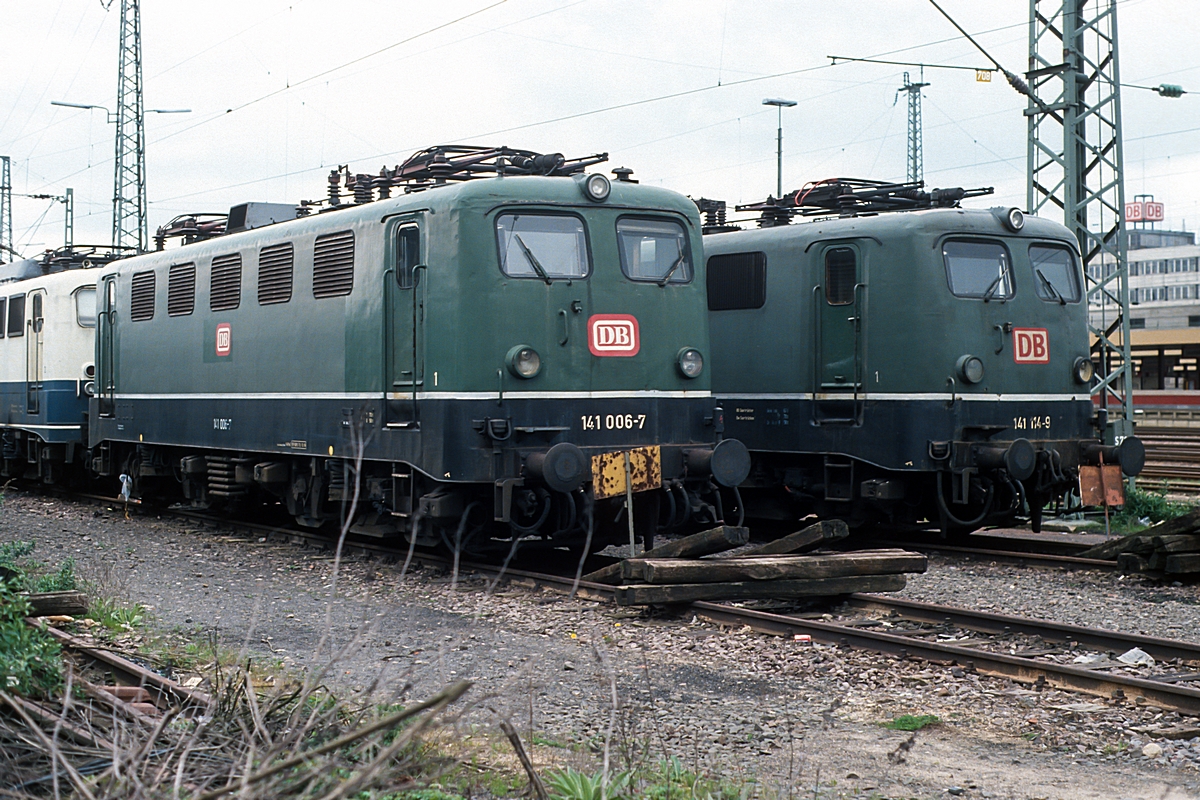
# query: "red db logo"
[[613, 335], [1031, 346], [224, 338]]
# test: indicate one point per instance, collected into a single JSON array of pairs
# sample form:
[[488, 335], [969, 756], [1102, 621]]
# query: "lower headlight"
[[1083, 370], [690, 362], [970, 369], [523, 361]]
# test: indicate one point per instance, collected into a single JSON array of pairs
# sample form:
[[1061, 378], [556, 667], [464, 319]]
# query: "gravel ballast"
[[783, 713]]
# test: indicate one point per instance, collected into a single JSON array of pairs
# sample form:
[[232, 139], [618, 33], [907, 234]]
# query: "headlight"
[[1014, 219], [690, 362], [596, 187], [1083, 370], [523, 361], [970, 369]]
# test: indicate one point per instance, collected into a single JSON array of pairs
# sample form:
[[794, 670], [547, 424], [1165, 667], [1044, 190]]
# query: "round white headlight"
[[596, 187], [1014, 219], [690, 362], [1083, 370], [523, 361], [970, 369]]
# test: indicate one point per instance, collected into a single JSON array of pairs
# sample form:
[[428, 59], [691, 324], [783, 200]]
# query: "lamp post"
[[779, 104], [129, 182]]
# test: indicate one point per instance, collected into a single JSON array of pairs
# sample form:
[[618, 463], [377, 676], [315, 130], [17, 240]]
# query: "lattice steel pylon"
[[916, 155], [1074, 167], [6, 240], [129, 183]]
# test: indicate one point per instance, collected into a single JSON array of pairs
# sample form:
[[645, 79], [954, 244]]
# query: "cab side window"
[[16, 315], [3, 309], [408, 256], [736, 281], [841, 275]]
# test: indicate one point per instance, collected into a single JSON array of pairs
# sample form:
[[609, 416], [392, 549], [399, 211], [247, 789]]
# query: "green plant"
[[570, 784], [908, 722], [61, 581], [30, 661], [1153, 505], [114, 616], [671, 780]]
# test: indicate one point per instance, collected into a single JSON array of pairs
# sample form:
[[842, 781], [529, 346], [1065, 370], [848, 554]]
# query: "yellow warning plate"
[[642, 464]]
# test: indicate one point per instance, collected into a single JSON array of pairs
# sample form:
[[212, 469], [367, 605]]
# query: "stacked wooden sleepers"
[[1168, 548], [677, 573]]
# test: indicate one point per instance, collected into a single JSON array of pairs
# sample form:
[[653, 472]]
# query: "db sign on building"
[[613, 335], [1144, 211], [1031, 346]]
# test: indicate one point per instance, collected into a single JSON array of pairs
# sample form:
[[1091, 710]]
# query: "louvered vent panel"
[[333, 264], [141, 296], [181, 290], [275, 274], [225, 283]]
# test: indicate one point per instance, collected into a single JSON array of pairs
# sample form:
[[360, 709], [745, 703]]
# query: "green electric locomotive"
[[455, 360], [925, 366]]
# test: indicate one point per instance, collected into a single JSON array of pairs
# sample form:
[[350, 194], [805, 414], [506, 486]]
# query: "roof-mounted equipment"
[[851, 197]]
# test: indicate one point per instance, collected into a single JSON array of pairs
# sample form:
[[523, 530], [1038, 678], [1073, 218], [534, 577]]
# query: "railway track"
[[1173, 457], [1034, 652]]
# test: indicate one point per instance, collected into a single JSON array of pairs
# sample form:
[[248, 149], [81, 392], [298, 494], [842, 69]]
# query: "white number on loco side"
[[1031, 423], [613, 422]]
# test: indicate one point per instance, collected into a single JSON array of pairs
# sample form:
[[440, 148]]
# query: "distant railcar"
[[474, 342], [47, 327], [903, 367]]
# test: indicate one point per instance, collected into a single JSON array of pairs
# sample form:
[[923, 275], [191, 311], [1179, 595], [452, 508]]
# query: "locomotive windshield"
[[654, 250], [1055, 275], [978, 268], [545, 246]]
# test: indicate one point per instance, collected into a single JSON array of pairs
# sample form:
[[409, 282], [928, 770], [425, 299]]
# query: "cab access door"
[[106, 321], [34, 344], [838, 297], [404, 313]]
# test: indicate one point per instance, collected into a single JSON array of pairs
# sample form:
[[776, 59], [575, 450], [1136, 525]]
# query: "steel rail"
[[1010, 556], [1023, 670], [989, 622], [134, 674]]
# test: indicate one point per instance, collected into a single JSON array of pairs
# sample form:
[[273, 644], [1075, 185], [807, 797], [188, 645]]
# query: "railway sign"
[[613, 335], [1145, 211], [1031, 346]]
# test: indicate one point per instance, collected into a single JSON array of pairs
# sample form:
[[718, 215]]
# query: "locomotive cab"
[[907, 367]]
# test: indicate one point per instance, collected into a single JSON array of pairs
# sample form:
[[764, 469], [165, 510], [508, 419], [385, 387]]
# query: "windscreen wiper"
[[1050, 286], [665, 278], [533, 262], [991, 290]]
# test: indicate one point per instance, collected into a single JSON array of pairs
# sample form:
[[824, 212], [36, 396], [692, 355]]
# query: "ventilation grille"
[[225, 284], [275, 274], [141, 296], [181, 290], [333, 264], [737, 280]]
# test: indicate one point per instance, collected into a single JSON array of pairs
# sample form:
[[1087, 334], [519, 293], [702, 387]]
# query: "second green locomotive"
[[931, 365]]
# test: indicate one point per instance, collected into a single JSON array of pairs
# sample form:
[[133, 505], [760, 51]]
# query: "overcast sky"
[[282, 90]]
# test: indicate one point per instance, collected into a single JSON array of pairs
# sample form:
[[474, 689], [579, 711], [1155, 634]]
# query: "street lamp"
[[780, 104], [129, 179], [112, 118]]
